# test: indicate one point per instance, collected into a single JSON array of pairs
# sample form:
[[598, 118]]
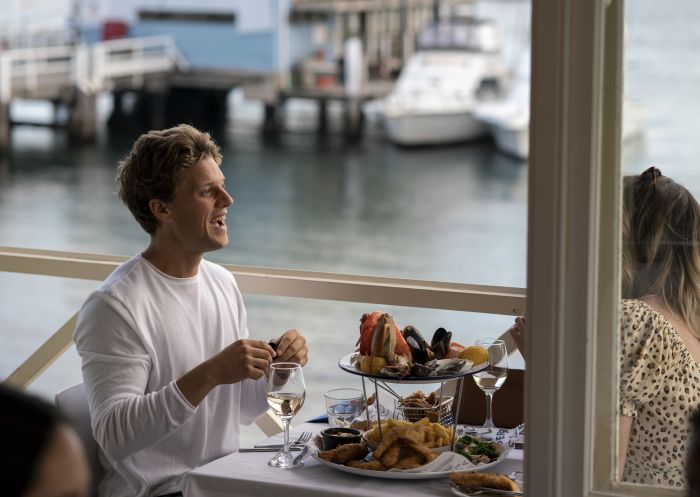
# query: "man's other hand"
[[241, 360], [291, 347]]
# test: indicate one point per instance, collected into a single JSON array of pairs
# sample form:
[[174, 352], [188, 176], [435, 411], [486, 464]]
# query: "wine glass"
[[494, 375], [285, 395]]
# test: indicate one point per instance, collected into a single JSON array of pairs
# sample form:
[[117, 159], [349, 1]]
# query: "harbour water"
[[309, 201]]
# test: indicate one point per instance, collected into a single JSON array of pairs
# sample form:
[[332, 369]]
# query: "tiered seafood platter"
[[388, 355]]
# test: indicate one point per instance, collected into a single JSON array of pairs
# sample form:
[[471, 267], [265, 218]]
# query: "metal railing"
[[134, 58], [49, 72], [29, 71], [262, 281]]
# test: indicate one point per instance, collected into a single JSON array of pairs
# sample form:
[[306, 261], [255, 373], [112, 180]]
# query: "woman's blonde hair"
[[661, 244]]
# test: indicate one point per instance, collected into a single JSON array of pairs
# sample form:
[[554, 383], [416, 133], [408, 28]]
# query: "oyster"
[[394, 371], [448, 366], [422, 371]]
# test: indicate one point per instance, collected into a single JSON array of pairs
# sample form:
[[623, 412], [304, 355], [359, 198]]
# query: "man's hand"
[[291, 347], [240, 360]]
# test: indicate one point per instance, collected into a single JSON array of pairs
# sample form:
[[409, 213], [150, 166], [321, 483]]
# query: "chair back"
[[507, 407], [73, 403]]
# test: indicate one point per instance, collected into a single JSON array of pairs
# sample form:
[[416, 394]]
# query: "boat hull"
[[512, 141], [433, 129]]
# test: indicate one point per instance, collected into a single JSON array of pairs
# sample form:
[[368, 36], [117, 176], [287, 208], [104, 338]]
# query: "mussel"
[[420, 350], [441, 342]]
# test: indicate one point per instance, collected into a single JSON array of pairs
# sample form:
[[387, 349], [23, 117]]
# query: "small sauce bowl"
[[333, 437]]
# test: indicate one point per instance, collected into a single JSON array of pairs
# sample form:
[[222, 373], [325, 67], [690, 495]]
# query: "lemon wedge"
[[475, 353]]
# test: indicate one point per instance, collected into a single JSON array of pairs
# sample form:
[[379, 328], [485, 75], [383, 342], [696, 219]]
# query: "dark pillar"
[[353, 118], [4, 126], [271, 124], [322, 115], [118, 116], [157, 108], [82, 123]]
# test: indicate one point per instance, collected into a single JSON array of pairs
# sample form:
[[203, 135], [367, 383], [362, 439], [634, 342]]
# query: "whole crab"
[[380, 337]]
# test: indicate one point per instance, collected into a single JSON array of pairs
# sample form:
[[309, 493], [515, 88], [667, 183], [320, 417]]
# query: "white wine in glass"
[[491, 378], [285, 395], [285, 404]]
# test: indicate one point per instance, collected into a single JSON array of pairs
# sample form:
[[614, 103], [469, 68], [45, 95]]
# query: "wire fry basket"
[[439, 413]]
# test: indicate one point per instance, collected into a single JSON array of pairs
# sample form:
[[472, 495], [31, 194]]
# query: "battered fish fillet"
[[410, 462], [488, 480], [391, 456], [424, 451], [344, 453], [406, 434], [372, 465], [388, 439]]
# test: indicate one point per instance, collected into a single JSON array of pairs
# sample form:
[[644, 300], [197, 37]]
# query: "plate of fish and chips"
[[402, 453]]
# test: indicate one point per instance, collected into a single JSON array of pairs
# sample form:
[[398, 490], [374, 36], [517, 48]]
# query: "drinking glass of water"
[[494, 375], [285, 395], [343, 405]]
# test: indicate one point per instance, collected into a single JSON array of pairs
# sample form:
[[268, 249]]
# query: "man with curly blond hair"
[[167, 363]]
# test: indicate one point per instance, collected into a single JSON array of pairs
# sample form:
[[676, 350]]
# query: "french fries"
[[434, 434]]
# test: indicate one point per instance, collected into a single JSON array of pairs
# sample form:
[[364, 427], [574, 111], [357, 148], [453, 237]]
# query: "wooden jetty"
[[176, 79]]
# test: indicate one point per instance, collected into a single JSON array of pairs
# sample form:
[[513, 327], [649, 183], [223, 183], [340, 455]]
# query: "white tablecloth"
[[248, 475]]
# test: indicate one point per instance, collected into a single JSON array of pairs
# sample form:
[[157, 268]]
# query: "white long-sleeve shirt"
[[137, 334]]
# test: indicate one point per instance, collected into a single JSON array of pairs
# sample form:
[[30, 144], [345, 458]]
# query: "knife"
[[267, 449], [301, 455], [279, 446]]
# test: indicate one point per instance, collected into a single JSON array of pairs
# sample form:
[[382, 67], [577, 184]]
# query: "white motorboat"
[[455, 65], [508, 119]]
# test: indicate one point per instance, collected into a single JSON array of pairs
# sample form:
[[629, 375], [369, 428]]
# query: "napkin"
[[447, 461]]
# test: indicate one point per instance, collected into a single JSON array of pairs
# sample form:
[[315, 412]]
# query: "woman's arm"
[[623, 432]]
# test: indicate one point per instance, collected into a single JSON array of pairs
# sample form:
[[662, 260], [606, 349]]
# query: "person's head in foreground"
[[661, 244], [41, 454], [172, 184]]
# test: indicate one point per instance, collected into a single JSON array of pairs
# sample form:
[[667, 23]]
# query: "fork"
[[299, 442]]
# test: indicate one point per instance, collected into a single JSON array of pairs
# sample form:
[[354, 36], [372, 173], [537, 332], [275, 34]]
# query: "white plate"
[[346, 364], [408, 475]]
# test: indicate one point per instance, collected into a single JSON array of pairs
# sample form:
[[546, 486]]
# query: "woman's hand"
[[517, 331]]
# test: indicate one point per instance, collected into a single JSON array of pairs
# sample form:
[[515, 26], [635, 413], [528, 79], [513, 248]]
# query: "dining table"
[[247, 474]]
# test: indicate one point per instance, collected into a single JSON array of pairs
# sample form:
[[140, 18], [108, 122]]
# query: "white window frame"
[[573, 251]]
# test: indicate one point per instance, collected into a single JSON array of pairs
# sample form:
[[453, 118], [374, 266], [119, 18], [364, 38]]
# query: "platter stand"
[[449, 421], [447, 418]]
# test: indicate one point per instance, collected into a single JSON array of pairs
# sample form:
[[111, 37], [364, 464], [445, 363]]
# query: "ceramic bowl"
[[333, 437]]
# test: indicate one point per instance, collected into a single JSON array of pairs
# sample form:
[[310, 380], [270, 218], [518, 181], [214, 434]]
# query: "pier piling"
[[4, 126], [82, 123], [271, 121]]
